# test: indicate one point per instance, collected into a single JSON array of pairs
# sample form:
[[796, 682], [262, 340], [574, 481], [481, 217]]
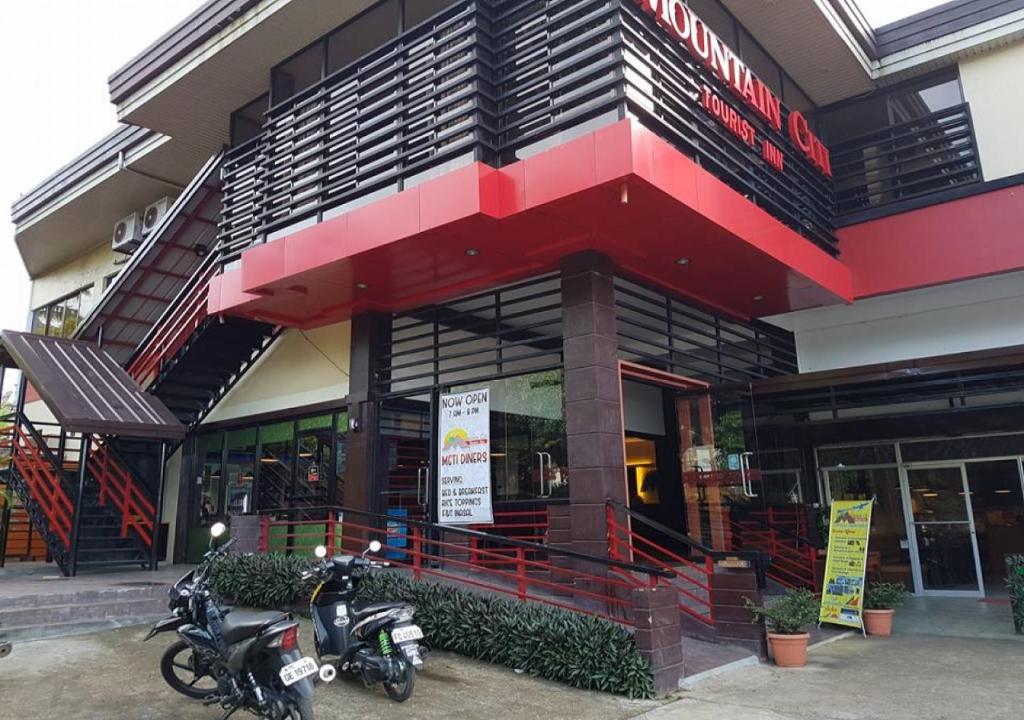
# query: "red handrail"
[[536, 580], [174, 330], [793, 564], [118, 487], [691, 580], [44, 484], [526, 525]]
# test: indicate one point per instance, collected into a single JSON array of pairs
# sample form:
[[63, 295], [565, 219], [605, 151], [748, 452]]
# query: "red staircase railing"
[[692, 580], [524, 525], [590, 585], [794, 559], [44, 483], [118, 488], [173, 329]]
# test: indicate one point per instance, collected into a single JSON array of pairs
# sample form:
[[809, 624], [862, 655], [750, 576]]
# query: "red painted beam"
[[973, 237], [620, 190]]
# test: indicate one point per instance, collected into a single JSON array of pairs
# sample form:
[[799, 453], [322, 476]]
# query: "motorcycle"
[[377, 642], [243, 660]]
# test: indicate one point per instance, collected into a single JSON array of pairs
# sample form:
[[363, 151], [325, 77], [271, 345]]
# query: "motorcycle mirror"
[[218, 529], [320, 552], [375, 546]]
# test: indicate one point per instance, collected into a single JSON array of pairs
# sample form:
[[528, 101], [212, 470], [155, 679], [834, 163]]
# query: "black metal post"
[[76, 521], [5, 522], [158, 516]]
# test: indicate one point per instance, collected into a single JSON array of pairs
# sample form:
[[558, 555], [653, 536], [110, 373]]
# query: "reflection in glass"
[[241, 470], [888, 550], [276, 442], [211, 480], [313, 463], [998, 507], [947, 556]]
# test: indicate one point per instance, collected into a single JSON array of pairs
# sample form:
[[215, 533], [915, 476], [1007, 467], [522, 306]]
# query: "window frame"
[[49, 307]]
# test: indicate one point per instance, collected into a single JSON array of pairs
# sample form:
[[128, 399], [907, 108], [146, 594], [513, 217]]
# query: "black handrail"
[[754, 556], [539, 547]]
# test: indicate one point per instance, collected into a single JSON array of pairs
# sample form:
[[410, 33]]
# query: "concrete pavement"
[[905, 677]]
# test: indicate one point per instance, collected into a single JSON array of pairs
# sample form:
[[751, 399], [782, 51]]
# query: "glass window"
[[340, 457], [857, 455], [528, 446], [247, 122], [855, 119], [718, 19], [300, 72], [277, 444], [363, 35], [241, 470], [211, 478], [313, 463], [760, 62], [963, 448], [62, 317], [416, 11], [924, 98]]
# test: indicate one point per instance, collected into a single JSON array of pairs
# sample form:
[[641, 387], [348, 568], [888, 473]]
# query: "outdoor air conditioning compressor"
[[154, 214], [127, 234]]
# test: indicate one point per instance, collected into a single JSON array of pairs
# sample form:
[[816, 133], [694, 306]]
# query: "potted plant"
[[880, 600], [786, 620]]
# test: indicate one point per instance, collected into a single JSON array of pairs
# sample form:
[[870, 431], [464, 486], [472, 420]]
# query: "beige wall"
[[88, 269], [169, 512], [302, 368], [992, 86]]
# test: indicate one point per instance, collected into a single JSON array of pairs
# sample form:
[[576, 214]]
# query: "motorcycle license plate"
[[293, 672], [405, 634]]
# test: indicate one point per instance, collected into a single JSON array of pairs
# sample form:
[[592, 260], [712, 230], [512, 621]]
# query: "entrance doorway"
[[941, 527]]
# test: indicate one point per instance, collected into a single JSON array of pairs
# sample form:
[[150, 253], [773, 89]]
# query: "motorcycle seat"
[[367, 610], [241, 624]]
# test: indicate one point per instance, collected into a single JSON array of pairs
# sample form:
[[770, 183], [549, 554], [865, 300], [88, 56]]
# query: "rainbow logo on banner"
[[842, 593]]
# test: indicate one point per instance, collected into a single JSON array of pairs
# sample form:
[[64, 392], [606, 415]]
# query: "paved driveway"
[[905, 677], [114, 676]]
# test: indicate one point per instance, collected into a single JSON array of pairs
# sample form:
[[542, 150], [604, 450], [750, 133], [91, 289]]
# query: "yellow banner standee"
[[842, 593]]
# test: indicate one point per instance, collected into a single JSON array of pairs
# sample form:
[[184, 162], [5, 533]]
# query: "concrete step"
[[80, 612], [18, 635], [140, 592]]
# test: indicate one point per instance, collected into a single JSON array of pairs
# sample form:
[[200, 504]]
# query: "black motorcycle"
[[241, 659], [376, 642]]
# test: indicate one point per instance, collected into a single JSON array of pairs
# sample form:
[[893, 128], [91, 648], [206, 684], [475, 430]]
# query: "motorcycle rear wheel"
[[301, 708], [180, 658], [401, 690]]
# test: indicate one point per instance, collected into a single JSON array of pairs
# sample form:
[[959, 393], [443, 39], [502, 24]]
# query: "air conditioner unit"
[[127, 234], [154, 214]]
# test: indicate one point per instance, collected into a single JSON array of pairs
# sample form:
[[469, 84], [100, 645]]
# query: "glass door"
[[945, 543]]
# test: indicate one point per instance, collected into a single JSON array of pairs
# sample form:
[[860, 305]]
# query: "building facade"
[[718, 263]]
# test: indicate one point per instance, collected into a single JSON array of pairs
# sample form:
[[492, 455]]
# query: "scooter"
[[377, 642], [246, 660]]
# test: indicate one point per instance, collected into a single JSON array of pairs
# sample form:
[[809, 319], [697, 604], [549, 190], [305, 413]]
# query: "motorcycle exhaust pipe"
[[328, 673]]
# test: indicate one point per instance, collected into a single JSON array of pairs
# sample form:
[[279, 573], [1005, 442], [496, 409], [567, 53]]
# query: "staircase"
[[116, 517], [777, 534]]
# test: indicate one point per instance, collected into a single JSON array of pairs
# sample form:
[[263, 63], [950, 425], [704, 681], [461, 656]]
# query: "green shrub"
[[578, 650], [789, 614], [575, 649], [1015, 582], [261, 581], [885, 596]]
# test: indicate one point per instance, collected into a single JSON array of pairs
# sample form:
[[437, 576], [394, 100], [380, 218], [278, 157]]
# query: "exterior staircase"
[[116, 517]]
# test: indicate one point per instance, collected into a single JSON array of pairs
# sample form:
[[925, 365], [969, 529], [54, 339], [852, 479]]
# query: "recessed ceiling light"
[[758, 298], [472, 252], [683, 261], [361, 286]]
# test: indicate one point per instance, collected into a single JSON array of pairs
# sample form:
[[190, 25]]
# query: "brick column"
[[593, 398], [659, 635], [368, 341], [734, 624]]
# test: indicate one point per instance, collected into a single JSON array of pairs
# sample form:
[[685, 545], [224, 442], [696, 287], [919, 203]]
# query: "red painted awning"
[[620, 190]]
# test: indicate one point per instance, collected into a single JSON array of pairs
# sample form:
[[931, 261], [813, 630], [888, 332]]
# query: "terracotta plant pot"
[[789, 650], [878, 622]]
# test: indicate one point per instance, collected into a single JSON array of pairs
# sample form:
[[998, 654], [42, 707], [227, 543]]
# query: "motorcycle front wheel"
[[179, 668], [401, 688]]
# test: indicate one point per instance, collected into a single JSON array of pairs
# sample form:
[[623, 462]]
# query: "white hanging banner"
[[464, 459]]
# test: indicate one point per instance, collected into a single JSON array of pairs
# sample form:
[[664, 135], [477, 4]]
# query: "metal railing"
[[488, 82], [926, 155], [119, 488], [583, 583], [792, 557]]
